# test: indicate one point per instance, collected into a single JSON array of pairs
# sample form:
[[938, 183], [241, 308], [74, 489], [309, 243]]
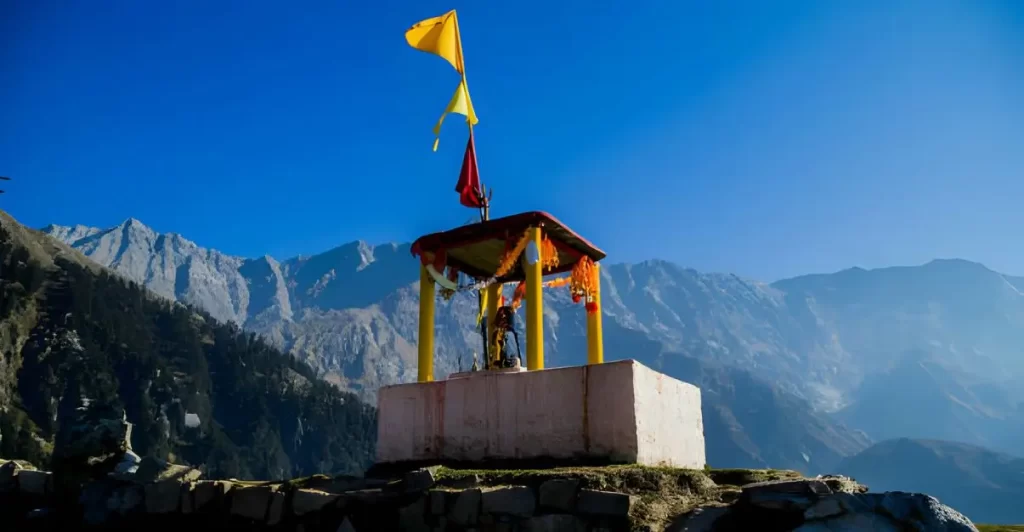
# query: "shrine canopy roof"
[[476, 249]]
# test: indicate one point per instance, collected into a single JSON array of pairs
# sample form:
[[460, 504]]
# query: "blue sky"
[[766, 139]]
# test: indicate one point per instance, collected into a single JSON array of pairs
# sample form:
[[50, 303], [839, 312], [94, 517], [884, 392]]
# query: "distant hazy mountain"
[[748, 422], [963, 313], [986, 486], [923, 396], [351, 312]]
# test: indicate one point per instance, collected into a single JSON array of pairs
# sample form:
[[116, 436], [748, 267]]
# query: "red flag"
[[469, 179]]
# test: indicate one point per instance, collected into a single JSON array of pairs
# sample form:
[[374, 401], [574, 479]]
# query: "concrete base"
[[461, 374], [619, 412]]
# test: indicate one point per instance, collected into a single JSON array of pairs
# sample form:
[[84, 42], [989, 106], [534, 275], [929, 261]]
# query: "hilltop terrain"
[[821, 343], [568, 499], [352, 314], [76, 336], [750, 420]]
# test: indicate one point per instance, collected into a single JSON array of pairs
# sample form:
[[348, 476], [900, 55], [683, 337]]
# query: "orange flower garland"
[[557, 283], [548, 254], [508, 260], [583, 282], [518, 295]]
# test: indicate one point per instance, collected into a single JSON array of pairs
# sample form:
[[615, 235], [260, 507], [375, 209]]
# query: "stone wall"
[[414, 502], [161, 496]]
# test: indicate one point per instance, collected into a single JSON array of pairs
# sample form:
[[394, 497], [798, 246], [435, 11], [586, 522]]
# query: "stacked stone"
[[21, 476], [558, 504], [161, 496], [164, 495]]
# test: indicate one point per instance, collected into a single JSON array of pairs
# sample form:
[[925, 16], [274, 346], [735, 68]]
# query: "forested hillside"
[[198, 391]]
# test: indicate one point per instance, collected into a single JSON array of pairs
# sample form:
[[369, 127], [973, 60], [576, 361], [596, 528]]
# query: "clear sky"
[[763, 138]]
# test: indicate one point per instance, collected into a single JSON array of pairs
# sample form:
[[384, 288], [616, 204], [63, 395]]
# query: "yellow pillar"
[[425, 369], [493, 292], [534, 302], [595, 338]]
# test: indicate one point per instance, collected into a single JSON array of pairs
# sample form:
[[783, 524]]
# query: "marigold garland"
[[508, 260], [518, 295], [557, 283], [583, 282], [548, 254]]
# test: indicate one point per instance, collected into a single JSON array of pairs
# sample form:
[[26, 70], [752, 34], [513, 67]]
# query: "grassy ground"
[[1000, 528], [634, 479], [662, 493]]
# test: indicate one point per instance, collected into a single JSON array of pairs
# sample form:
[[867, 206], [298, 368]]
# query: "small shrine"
[[518, 250], [599, 412]]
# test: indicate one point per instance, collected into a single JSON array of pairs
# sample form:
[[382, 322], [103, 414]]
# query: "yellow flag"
[[438, 36], [462, 104]]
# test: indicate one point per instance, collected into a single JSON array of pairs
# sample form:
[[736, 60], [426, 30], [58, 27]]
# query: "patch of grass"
[[1000, 528], [303, 482], [741, 477], [632, 479], [662, 493]]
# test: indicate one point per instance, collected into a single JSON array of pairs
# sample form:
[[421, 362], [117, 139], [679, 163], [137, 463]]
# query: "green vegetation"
[[635, 479], [662, 492], [740, 477], [72, 334], [625, 478]]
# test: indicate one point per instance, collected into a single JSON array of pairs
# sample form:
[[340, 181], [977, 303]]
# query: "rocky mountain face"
[[965, 315], [815, 343], [750, 423], [921, 394], [985, 485], [167, 264], [79, 342]]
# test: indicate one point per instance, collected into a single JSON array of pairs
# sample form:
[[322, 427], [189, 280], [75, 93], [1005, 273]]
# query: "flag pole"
[[484, 209]]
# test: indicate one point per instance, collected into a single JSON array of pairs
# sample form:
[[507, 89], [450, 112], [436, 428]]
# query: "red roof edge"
[[496, 229]]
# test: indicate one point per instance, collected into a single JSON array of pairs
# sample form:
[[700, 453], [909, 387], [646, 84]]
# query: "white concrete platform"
[[622, 412]]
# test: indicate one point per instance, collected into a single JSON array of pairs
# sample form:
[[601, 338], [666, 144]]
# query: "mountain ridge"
[[310, 294], [75, 232], [77, 337], [363, 347], [352, 313]]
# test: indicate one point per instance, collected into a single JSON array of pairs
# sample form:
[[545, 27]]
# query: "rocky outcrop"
[[824, 505], [94, 442], [984, 485], [163, 496]]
